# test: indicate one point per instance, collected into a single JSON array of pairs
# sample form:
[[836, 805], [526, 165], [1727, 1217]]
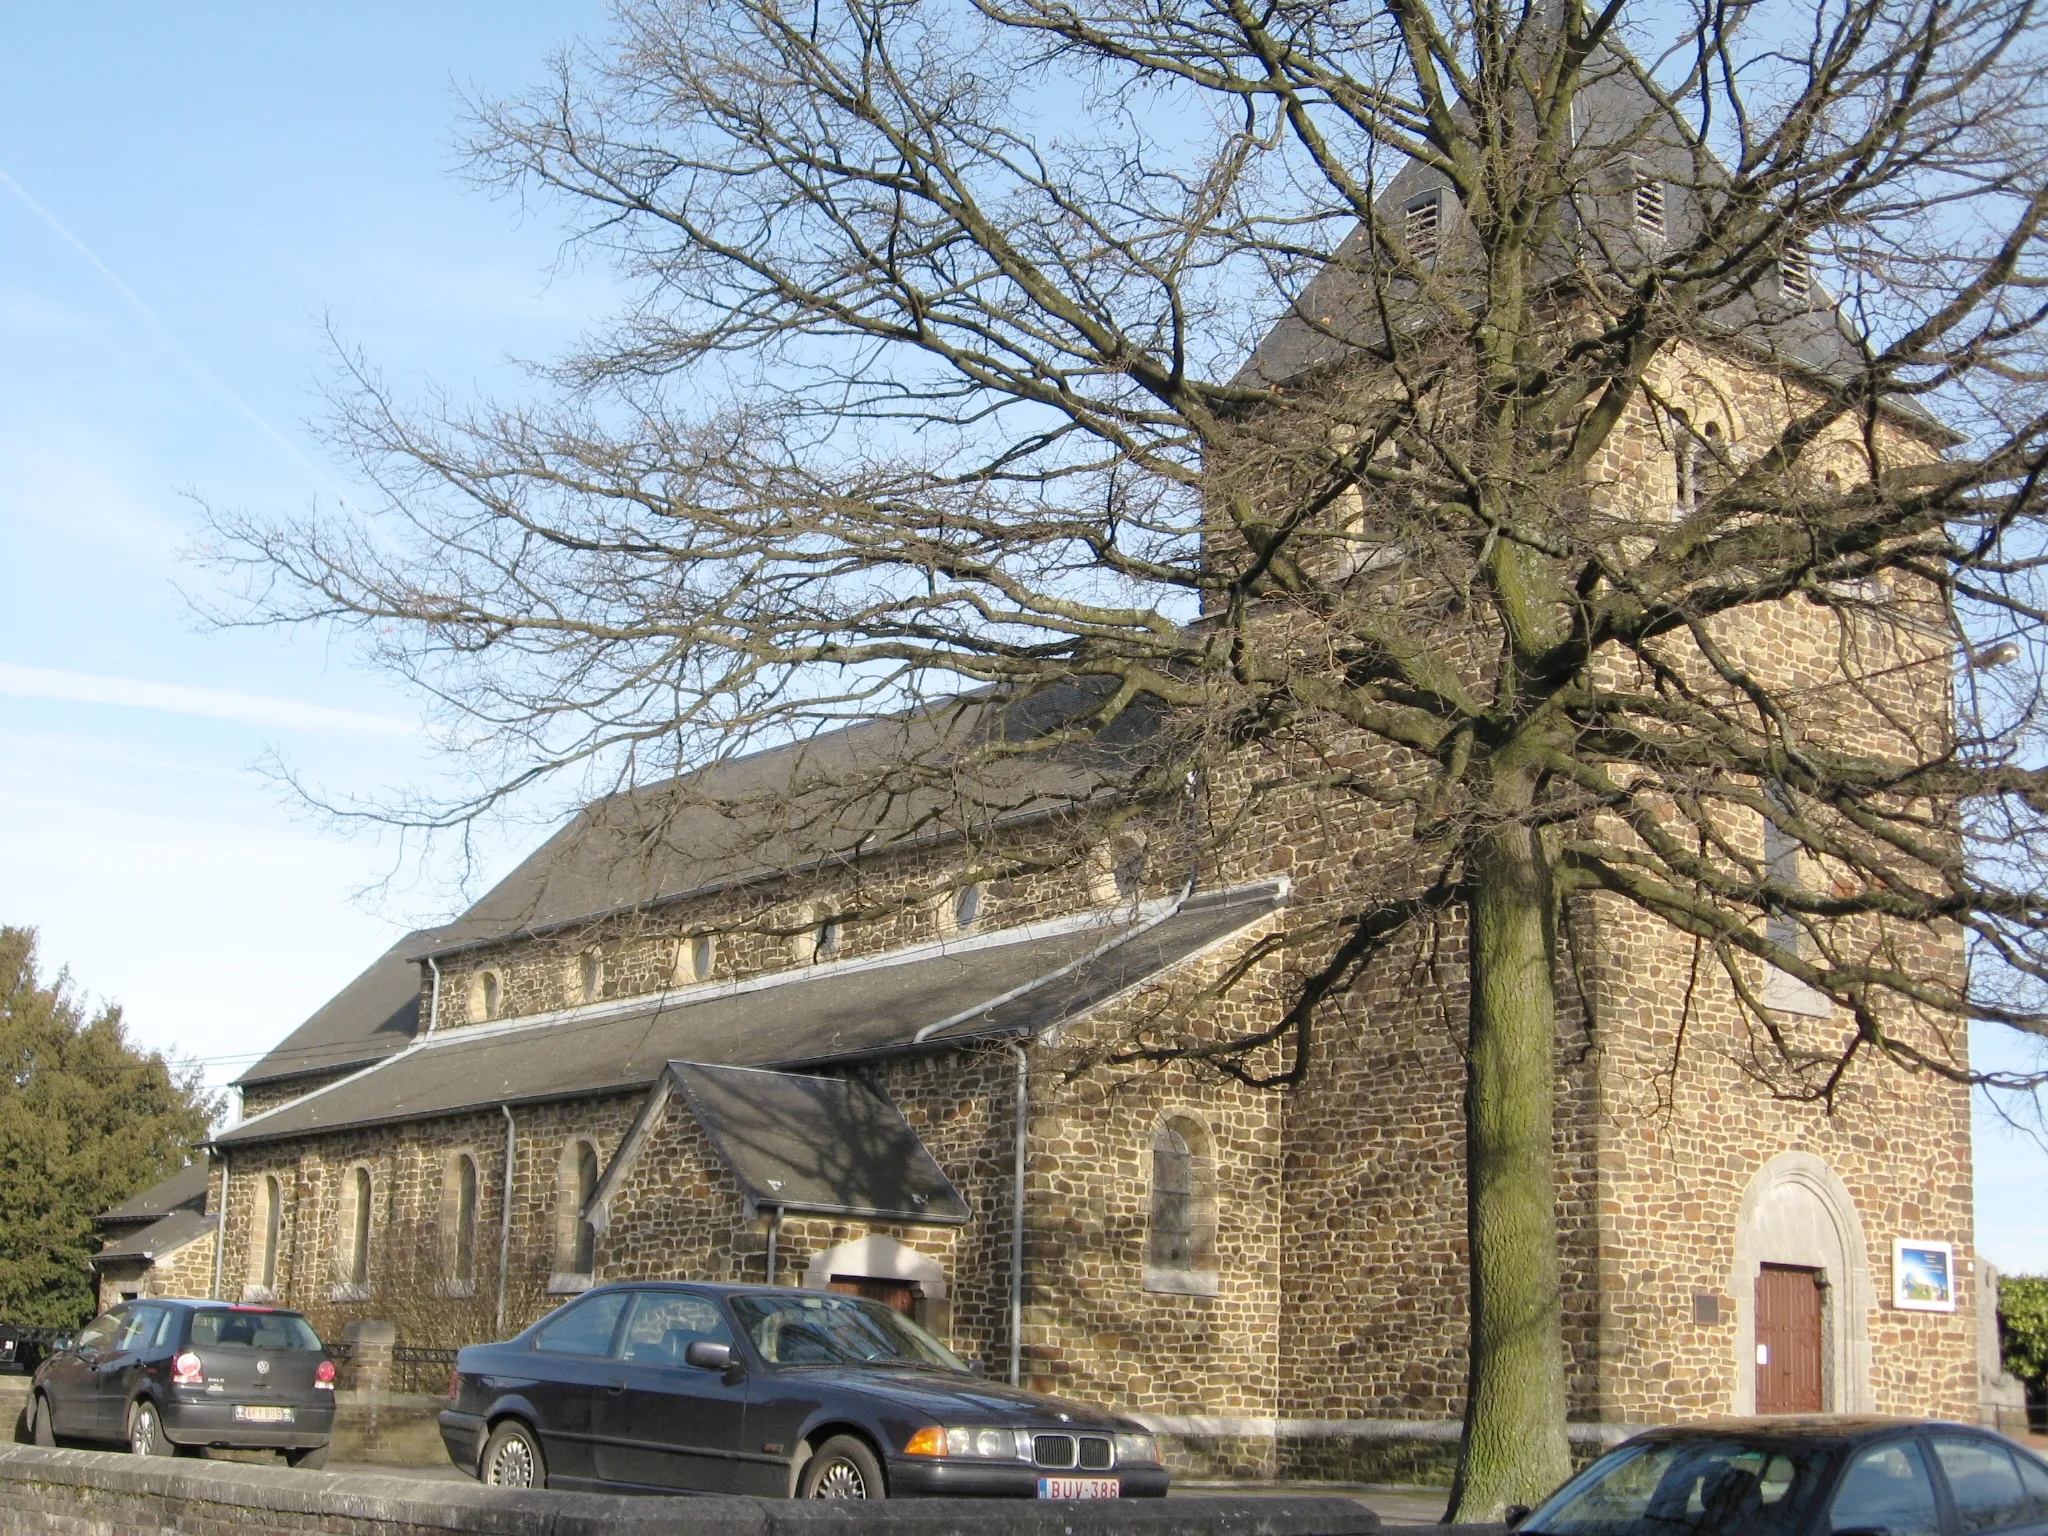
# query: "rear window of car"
[[253, 1330]]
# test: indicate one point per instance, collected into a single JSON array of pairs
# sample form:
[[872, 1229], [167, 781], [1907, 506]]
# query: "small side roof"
[[183, 1190], [833, 1146], [158, 1238], [375, 1016], [1007, 983]]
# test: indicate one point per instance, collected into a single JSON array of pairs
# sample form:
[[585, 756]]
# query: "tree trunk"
[[1514, 1449]]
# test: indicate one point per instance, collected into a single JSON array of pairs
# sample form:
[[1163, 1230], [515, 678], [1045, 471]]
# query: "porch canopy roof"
[[1008, 983], [158, 1238], [827, 1145]]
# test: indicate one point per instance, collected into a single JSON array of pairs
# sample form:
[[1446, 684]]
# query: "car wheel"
[[311, 1457], [844, 1468], [41, 1427], [146, 1435], [512, 1458]]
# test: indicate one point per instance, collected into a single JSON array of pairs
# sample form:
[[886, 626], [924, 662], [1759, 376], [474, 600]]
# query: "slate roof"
[[1005, 983], [183, 1190], [159, 1237], [829, 1145], [375, 1016], [1334, 315], [793, 807]]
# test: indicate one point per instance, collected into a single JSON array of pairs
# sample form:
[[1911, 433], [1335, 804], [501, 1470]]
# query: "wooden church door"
[[1788, 1376]]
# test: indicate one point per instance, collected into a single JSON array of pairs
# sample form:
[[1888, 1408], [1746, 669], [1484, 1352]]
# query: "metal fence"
[[418, 1369], [414, 1367], [21, 1348]]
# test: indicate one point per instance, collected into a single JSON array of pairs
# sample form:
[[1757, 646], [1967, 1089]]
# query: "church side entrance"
[[1788, 1339], [899, 1295]]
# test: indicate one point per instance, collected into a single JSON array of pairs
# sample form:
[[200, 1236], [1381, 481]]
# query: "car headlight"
[[1136, 1448], [984, 1444], [990, 1444]]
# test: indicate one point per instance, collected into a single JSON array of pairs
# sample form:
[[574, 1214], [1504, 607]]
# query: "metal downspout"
[[434, 999], [220, 1230], [505, 1217], [774, 1221], [1017, 1217]]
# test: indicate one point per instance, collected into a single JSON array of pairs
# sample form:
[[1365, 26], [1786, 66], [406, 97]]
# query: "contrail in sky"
[[178, 699], [165, 335]]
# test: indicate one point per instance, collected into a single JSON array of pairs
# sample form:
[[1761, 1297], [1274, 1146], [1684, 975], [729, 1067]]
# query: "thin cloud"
[[174, 698], [165, 335]]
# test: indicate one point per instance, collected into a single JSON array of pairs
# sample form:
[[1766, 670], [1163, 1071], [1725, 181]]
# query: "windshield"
[[257, 1330], [819, 1329], [1704, 1487]]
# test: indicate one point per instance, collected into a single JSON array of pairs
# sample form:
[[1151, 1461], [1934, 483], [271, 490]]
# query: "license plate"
[[1080, 1488], [264, 1414]]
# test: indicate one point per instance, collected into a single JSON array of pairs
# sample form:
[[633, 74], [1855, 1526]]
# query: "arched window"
[[575, 1238], [263, 1239], [464, 1266], [703, 955], [273, 1217], [590, 975], [1702, 464], [1172, 1244], [1180, 1238], [354, 1254], [486, 996], [966, 907]]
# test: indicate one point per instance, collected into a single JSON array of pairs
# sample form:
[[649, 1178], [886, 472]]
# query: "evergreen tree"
[[86, 1121]]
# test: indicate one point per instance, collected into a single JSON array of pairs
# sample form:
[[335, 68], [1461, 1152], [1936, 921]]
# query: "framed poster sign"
[[1923, 1276]]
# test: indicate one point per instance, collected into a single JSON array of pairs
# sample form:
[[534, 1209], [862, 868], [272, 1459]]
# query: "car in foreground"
[[170, 1375], [1798, 1476], [666, 1387]]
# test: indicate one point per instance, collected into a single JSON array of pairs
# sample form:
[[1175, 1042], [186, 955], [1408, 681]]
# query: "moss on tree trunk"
[[1514, 1449]]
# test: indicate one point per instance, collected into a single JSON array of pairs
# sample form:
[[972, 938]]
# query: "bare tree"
[[945, 379]]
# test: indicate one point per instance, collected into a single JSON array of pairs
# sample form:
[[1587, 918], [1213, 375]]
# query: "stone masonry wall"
[[184, 1271]]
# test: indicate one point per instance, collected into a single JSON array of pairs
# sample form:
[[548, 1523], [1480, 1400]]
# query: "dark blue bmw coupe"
[[662, 1387]]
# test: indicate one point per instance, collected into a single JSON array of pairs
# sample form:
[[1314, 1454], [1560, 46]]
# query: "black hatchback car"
[[1804, 1477], [167, 1376], [771, 1391]]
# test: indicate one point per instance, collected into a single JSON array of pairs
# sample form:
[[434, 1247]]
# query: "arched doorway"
[[1803, 1293], [886, 1271]]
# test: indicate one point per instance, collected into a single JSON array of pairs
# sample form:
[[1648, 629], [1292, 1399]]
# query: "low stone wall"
[[104, 1493], [394, 1429], [1409, 1452]]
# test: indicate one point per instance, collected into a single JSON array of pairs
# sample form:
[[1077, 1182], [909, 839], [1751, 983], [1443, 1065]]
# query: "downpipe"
[[1017, 1214], [220, 1230]]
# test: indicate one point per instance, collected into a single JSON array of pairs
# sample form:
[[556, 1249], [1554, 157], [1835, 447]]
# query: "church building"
[[679, 1041]]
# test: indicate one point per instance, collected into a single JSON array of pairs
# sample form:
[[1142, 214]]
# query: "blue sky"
[[216, 183]]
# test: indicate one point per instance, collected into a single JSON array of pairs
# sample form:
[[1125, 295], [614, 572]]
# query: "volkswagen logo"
[[262, 1367]]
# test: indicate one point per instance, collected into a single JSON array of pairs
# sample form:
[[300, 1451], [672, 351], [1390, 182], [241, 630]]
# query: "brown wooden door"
[[898, 1294], [1788, 1340]]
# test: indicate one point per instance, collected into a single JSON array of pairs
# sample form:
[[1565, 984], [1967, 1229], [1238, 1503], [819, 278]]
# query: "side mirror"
[[707, 1356], [977, 1367], [1515, 1514]]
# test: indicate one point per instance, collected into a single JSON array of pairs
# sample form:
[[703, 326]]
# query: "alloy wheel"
[[840, 1480], [143, 1431], [512, 1467]]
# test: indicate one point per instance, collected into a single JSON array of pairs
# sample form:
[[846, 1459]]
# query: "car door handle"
[[615, 1386]]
